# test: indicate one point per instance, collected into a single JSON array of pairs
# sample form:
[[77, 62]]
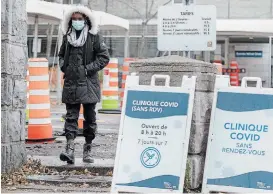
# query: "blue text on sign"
[[245, 127]]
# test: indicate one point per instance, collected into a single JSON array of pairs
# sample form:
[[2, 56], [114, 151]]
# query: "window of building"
[[76, 1], [115, 46], [66, 1]]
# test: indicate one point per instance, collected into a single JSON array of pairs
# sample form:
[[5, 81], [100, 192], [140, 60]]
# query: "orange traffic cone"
[[80, 120], [125, 73], [234, 76], [39, 125]]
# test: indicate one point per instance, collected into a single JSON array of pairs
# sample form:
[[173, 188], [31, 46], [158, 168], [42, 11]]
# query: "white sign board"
[[153, 138], [240, 152], [186, 28]]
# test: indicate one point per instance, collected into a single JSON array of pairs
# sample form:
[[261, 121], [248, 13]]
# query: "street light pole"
[[35, 50], [49, 40], [228, 9], [59, 74]]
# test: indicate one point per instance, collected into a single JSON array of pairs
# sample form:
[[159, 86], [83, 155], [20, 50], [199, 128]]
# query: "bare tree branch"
[[146, 17], [152, 16], [150, 10], [130, 6], [167, 2]]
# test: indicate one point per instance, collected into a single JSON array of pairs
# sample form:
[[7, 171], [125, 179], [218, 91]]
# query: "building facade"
[[139, 11], [143, 30]]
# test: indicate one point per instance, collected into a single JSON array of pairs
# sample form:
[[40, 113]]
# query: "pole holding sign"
[[154, 136], [240, 152]]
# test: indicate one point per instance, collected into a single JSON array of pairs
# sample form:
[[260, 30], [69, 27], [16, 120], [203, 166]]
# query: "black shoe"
[[87, 153], [68, 155]]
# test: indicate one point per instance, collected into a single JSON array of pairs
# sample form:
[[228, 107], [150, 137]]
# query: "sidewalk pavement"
[[57, 176]]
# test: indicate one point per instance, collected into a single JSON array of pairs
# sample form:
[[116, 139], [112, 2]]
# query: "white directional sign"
[[240, 153], [154, 136], [187, 28]]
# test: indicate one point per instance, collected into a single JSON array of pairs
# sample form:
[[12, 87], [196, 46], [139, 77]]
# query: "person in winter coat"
[[82, 54]]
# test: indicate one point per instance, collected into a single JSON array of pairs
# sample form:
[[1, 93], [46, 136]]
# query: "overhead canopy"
[[53, 13], [258, 27]]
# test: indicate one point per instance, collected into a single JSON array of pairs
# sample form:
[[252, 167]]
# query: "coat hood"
[[82, 9]]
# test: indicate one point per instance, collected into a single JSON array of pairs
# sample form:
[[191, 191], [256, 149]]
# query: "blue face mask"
[[78, 24]]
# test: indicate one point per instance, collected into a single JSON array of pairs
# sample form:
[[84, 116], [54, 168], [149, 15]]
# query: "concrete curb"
[[97, 181], [103, 171], [100, 166], [53, 188]]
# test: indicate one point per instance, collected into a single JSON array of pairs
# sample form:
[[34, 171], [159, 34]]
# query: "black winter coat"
[[80, 66]]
